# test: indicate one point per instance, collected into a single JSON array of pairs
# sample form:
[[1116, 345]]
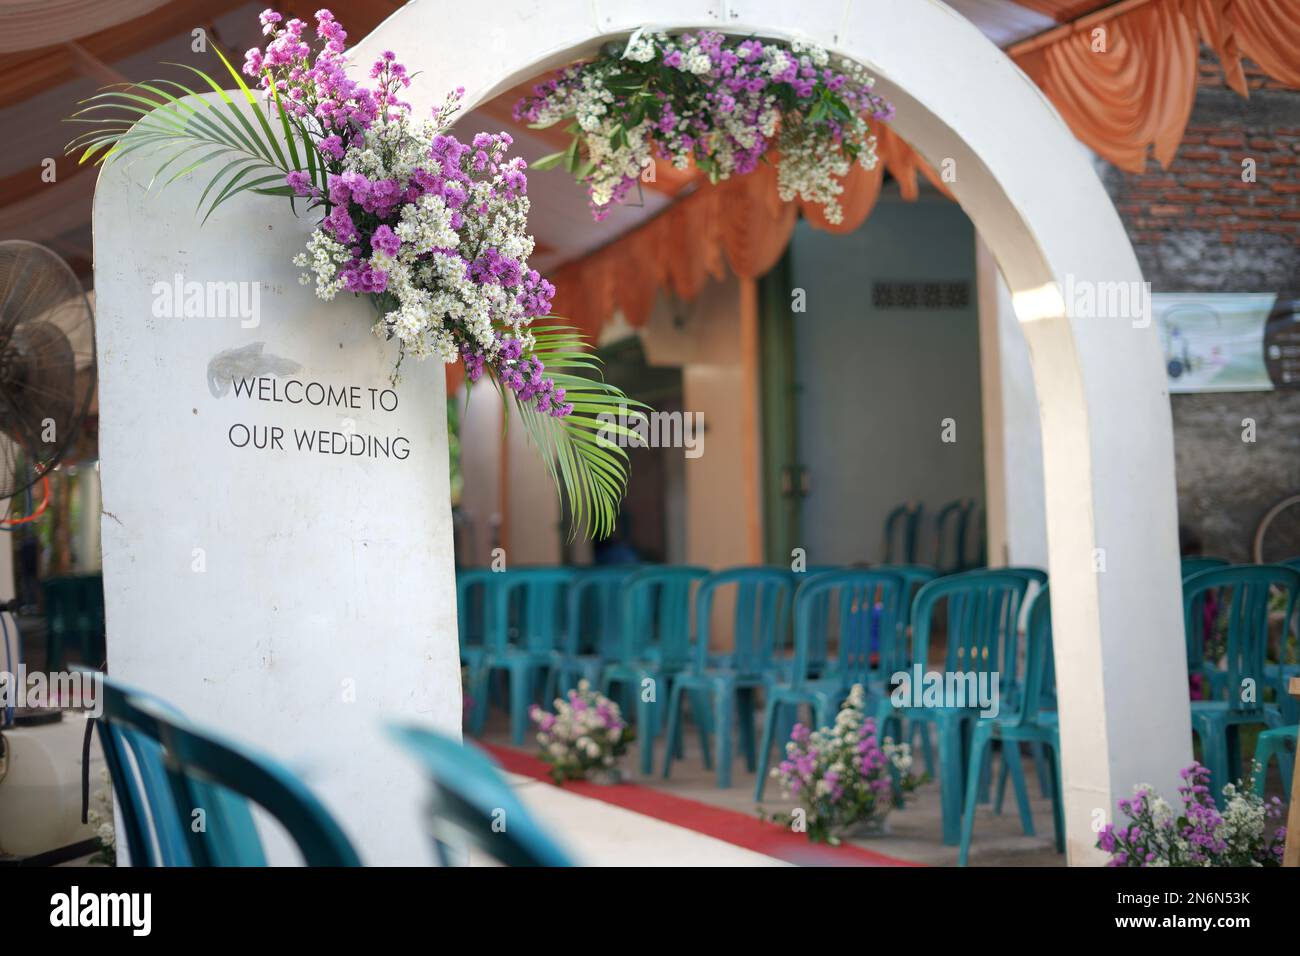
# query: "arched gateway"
[[1030, 189], [326, 544]]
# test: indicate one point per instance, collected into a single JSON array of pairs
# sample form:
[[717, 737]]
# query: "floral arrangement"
[[432, 228], [844, 776], [1246, 833], [584, 737], [717, 101]]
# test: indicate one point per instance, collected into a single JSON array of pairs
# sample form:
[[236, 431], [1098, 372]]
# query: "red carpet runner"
[[739, 829]]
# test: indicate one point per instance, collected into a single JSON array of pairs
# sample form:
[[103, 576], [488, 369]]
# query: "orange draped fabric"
[[1127, 91], [739, 223]]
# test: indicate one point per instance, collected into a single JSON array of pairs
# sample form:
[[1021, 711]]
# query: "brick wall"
[[1197, 226]]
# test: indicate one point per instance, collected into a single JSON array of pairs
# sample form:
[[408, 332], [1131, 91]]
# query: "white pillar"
[[1013, 442], [290, 599]]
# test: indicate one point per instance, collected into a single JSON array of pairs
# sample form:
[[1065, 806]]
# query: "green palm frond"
[[583, 451], [160, 119]]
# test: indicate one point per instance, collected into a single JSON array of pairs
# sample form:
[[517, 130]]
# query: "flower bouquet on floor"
[[584, 738], [1245, 833], [843, 778]]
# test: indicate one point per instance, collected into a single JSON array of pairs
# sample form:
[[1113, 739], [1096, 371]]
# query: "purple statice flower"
[[384, 240]]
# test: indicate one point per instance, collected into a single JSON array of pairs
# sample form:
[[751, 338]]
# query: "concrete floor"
[[912, 833]]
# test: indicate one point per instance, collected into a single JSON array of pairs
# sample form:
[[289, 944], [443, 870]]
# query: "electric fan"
[[47, 362]]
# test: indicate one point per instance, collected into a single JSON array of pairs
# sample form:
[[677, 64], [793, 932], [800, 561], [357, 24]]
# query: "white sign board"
[[276, 519]]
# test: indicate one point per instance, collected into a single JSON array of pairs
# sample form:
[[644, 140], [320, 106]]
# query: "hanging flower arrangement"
[[722, 103], [432, 228]]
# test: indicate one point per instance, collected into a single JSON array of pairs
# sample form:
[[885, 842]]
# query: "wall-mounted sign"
[[1228, 341]]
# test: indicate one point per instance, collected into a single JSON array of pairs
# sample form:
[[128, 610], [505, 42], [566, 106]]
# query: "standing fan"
[[47, 362]]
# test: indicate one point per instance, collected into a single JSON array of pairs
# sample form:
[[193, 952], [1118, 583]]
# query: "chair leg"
[[927, 746], [1232, 742], [478, 717], [647, 716], [980, 748], [674, 727], [745, 706], [1053, 757], [1214, 753], [725, 704], [1000, 790], [1041, 768], [521, 687], [1011, 757], [950, 780], [765, 748], [701, 713]]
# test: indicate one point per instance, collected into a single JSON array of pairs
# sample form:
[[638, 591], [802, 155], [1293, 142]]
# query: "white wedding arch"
[[1032, 193]]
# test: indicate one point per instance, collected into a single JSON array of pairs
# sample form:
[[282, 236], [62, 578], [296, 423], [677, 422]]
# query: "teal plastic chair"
[[1036, 579], [472, 806], [983, 609], [1022, 722], [655, 645], [902, 527], [1196, 562], [955, 515], [760, 622], [526, 618], [897, 658], [1243, 599], [1279, 742], [593, 635], [863, 600], [894, 655], [474, 609], [221, 778], [151, 828]]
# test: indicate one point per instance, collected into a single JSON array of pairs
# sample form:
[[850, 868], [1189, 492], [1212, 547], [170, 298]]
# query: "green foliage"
[[166, 119], [581, 451]]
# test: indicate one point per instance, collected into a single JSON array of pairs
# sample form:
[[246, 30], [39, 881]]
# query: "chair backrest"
[[657, 614], [470, 800], [1194, 563], [902, 526], [156, 833], [955, 515], [983, 614], [1037, 669], [914, 577], [819, 648], [150, 826], [595, 615], [864, 602], [1242, 594], [199, 762], [760, 619], [531, 605], [474, 605]]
